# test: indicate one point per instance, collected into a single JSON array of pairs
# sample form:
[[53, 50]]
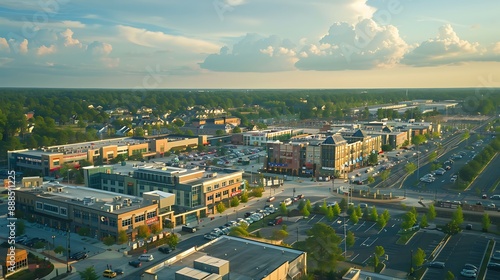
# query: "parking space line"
[[361, 225], [368, 245], [370, 227]]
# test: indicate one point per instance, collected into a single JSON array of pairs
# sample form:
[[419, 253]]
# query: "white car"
[[468, 273]]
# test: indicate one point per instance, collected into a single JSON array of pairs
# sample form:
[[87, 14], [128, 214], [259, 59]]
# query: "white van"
[[146, 258]]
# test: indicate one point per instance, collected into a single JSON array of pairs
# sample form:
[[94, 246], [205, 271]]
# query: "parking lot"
[[490, 273]]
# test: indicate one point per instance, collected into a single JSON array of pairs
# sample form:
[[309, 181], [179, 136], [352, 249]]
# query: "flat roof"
[[265, 258], [75, 195]]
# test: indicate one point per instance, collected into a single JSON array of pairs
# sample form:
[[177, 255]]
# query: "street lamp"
[[68, 251], [53, 241], [68, 175]]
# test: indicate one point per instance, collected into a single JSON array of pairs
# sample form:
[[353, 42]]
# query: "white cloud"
[[445, 48], [99, 48], [67, 36], [19, 47], [43, 50], [496, 48], [365, 45], [254, 53], [4, 45], [162, 40]]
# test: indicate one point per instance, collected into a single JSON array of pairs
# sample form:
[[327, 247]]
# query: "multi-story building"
[[260, 138], [99, 213], [194, 188], [48, 160]]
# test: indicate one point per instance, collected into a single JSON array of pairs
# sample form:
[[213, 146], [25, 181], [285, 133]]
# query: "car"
[[165, 249], [135, 263], [485, 196], [249, 220], [447, 167], [108, 273], [453, 179], [209, 236], [79, 256], [469, 266], [145, 258], [494, 266], [495, 196], [468, 227], [436, 264], [31, 242], [21, 239], [119, 271], [468, 273], [496, 256]]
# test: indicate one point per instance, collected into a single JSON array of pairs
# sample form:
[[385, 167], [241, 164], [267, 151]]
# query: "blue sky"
[[249, 43]]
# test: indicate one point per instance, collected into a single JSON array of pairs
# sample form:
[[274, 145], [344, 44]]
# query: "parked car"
[[108, 273], [469, 266], [135, 263], [119, 271], [145, 258], [468, 273], [436, 264], [494, 266], [278, 220], [495, 196], [21, 239], [165, 249], [79, 256], [496, 256]]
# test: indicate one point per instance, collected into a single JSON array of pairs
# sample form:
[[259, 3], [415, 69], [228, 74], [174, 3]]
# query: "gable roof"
[[334, 139]]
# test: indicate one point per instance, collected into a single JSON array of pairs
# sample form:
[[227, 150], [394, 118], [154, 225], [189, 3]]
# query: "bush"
[[83, 231], [109, 240], [39, 245], [59, 249]]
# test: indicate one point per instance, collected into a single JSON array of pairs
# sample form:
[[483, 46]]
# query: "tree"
[[122, 237], [323, 209], [258, 191], [280, 234], [235, 201], [220, 207], [350, 239], [379, 251], [373, 159], [458, 216], [305, 212], [431, 213], [351, 210], [283, 209], [244, 197], [219, 132], [423, 221], [385, 174], [418, 257], [386, 215], [486, 222], [358, 211], [237, 129], [449, 276], [381, 222], [308, 205], [143, 231], [386, 148], [88, 274], [172, 240], [354, 218], [409, 219], [20, 227], [343, 204], [109, 240], [336, 210], [59, 249], [155, 228], [323, 246], [329, 213], [410, 168], [370, 179], [373, 214], [301, 205]]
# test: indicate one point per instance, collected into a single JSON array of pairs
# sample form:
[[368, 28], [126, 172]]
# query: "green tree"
[[329, 214], [122, 237], [354, 218], [351, 210], [385, 174], [373, 214], [244, 197], [449, 276], [108, 240], [219, 132], [143, 231], [386, 215], [379, 251], [336, 210], [373, 159], [387, 148], [486, 222], [308, 206], [418, 257], [451, 228], [155, 228], [423, 221], [301, 205], [172, 240], [305, 212], [237, 129], [381, 222], [350, 239], [359, 211], [323, 209], [235, 201], [283, 209], [343, 204], [88, 274], [59, 249], [376, 262], [458, 216], [410, 168], [258, 191], [431, 213], [323, 246], [20, 227], [409, 219], [280, 234], [370, 179], [220, 207]]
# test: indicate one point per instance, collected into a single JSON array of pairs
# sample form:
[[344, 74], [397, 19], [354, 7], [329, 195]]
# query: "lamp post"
[[411, 261], [68, 175], [53, 241], [251, 174], [68, 251]]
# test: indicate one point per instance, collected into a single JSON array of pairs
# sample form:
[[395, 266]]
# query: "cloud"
[[4, 45], [67, 36], [43, 50], [99, 48], [254, 53], [157, 39], [445, 48], [19, 47], [364, 45]]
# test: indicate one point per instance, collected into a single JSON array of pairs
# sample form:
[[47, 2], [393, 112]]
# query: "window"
[[141, 187], [226, 192], [112, 222], [217, 195], [231, 182], [209, 189], [139, 218], [39, 205], [63, 211], [51, 208], [94, 218], [151, 215], [113, 189], [77, 213], [126, 222], [211, 197], [223, 184], [85, 215], [216, 186]]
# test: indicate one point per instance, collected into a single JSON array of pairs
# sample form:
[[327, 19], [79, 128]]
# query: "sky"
[[154, 44]]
